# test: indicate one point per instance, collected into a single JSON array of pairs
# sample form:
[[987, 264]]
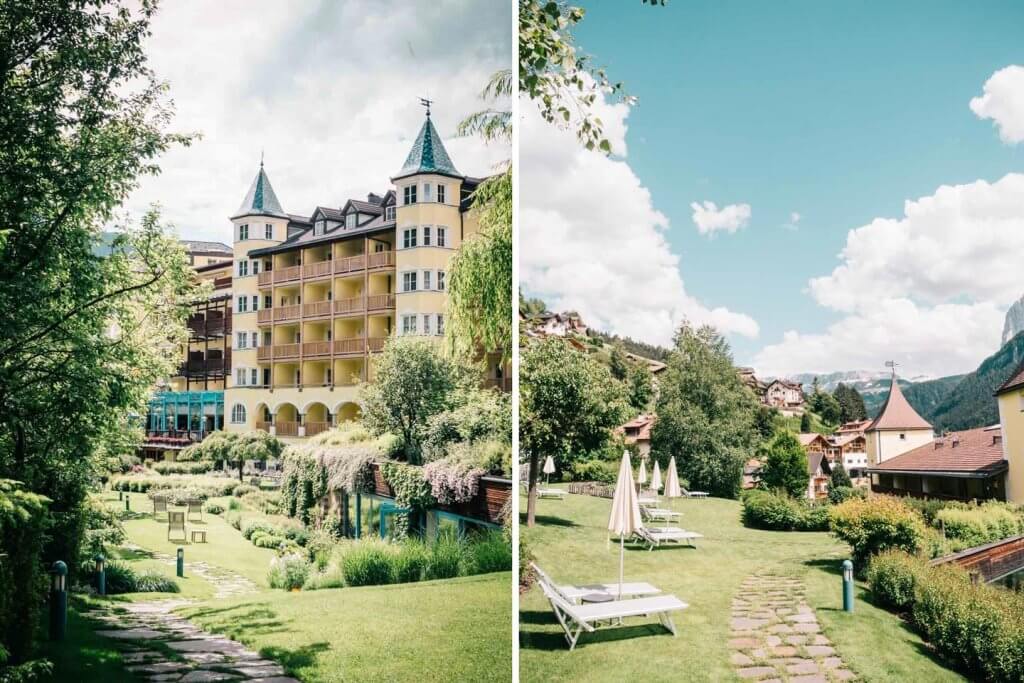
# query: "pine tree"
[[618, 363], [839, 476], [805, 423]]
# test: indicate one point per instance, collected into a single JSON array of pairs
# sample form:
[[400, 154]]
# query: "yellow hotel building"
[[313, 299]]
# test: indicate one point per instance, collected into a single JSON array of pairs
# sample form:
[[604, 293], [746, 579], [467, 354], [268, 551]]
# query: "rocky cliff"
[[1014, 321]]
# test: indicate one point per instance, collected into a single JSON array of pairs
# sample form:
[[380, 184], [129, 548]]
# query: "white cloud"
[[794, 221], [709, 219], [928, 289], [591, 239], [1003, 102], [328, 90], [956, 244], [946, 339]]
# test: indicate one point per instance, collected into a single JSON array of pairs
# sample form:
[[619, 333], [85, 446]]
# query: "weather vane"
[[426, 103], [891, 364], [261, 157]]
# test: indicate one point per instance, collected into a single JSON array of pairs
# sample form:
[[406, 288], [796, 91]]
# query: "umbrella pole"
[[622, 558]]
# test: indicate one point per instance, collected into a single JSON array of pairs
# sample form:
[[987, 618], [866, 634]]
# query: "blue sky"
[[837, 111]]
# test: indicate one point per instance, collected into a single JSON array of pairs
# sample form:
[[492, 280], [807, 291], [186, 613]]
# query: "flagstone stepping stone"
[[756, 672], [132, 633], [203, 676]]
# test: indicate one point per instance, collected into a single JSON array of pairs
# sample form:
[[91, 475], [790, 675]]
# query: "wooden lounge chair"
[[159, 505], [653, 537], [176, 522], [576, 593], [659, 514], [577, 619], [195, 507]]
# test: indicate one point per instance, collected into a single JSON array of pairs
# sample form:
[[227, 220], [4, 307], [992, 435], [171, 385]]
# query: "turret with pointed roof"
[[897, 429], [897, 413], [428, 154], [260, 200]]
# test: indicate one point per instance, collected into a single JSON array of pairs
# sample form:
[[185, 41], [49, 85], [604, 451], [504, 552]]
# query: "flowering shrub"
[[288, 572], [452, 482], [876, 524]]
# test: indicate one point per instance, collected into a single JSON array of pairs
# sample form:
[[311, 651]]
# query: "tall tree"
[[851, 403], [785, 465], [707, 417], [805, 423], [641, 387], [617, 363], [85, 336], [568, 403]]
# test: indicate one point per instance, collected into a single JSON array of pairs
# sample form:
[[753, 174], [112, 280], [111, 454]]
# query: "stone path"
[[158, 645], [775, 635]]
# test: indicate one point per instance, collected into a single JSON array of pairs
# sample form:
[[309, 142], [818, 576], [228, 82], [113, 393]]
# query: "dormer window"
[[350, 220], [409, 194], [318, 227], [389, 213]]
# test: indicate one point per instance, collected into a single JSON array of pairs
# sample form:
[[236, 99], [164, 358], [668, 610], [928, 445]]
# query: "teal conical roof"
[[428, 154], [261, 200]]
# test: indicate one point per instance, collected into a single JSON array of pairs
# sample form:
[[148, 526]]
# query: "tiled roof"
[[306, 237], [1015, 381], [897, 413], [974, 451], [841, 440], [199, 245], [855, 426], [428, 154], [366, 207], [260, 200], [643, 423], [329, 213], [807, 439]]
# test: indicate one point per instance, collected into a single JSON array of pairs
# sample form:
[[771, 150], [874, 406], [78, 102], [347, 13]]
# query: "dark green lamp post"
[[127, 503], [58, 600], [847, 586], [181, 562], [101, 574]]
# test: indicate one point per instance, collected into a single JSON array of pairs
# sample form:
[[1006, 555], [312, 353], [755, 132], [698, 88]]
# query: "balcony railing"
[[266, 278], [194, 368], [380, 302], [316, 348], [287, 312], [351, 346], [355, 304], [314, 428], [315, 270], [350, 264], [263, 426], [282, 351], [381, 259], [376, 344], [265, 316], [287, 274], [202, 327], [317, 309], [287, 428], [264, 353]]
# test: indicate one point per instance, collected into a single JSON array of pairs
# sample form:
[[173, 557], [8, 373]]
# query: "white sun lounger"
[[655, 536], [646, 501], [576, 619], [695, 494], [545, 493], [659, 515], [574, 593]]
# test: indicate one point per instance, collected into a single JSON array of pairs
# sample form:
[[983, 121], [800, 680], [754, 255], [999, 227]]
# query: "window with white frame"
[[240, 377], [243, 304], [409, 281], [440, 194], [409, 238], [254, 339], [243, 232], [408, 324], [409, 194], [254, 376], [426, 281], [427, 192], [238, 414], [255, 302], [241, 339], [243, 268], [426, 235], [256, 267], [440, 323], [442, 236], [440, 280], [350, 220], [318, 227], [426, 323], [268, 231], [389, 213]]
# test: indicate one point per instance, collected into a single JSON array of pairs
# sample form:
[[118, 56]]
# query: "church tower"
[[897, 429]]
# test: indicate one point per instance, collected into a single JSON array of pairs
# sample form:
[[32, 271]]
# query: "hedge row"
[[172, 467], [976, 627], [779, 512], [211, 486]]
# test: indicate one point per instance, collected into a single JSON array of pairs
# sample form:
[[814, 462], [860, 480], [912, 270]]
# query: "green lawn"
[[569, 542]]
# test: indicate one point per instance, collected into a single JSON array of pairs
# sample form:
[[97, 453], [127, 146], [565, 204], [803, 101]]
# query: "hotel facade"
[[313, 299]]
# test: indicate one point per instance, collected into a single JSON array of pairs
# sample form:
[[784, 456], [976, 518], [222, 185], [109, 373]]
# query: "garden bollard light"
[[181, 562], [101, 574], [127, 503], [847, 586], [120, 495], [58, 600]]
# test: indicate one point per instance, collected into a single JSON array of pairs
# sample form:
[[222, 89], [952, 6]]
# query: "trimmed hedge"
[[978, 525], [173, 467], [141, 483], [876, 524], [777, 511], [893, 576]]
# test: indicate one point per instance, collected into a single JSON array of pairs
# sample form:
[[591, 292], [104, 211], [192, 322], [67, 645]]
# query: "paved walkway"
[[158, 645], [775, 635]]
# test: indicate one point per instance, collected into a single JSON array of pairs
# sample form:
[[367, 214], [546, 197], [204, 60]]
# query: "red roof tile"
[[977, 451], [897, 413]]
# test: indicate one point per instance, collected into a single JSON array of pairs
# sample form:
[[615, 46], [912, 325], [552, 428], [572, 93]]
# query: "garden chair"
[[195, 506], [543, 492], [649, 514], [159, 505], [654, 537], [176, 522], [694, 494], [647, 500], [577, 619], [575, 593]]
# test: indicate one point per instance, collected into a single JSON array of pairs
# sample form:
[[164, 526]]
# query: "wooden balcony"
[[222, 282], [349, 306], [350, 264], [316, 349], [200, 327], [376, 344], [211, 367], [311, 271], [265, 279], [287, 428], [265, 316], [314, 428], [282, 351], [288, 274], [380, 302], [317, 309], [287, 312], [381, 259], [353, 346], [264, 353]]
